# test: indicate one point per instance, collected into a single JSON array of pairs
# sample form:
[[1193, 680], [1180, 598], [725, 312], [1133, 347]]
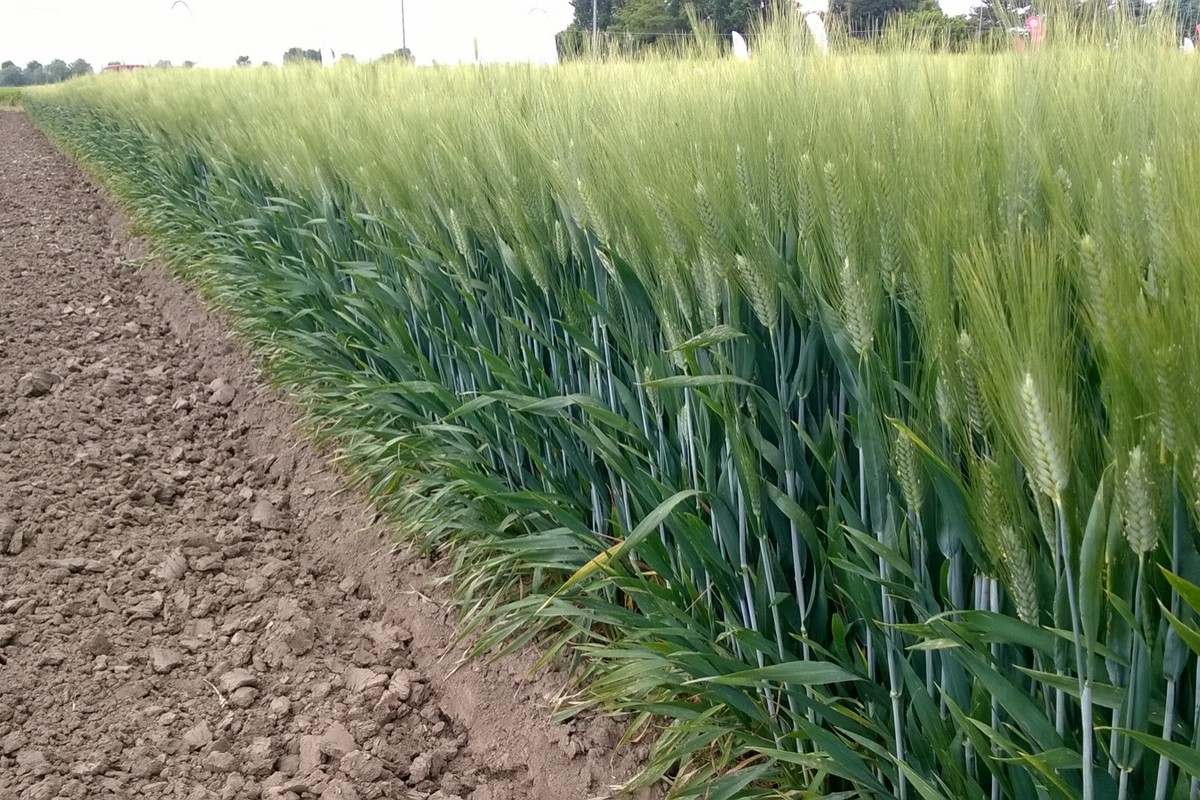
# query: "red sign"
[[1034, 25]]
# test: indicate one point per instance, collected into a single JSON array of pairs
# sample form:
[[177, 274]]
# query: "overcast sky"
[[216, 32]]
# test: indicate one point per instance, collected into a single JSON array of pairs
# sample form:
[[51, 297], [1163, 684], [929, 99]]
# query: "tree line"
[[649, 21], [298, 55], [646, 22], [35, 73]]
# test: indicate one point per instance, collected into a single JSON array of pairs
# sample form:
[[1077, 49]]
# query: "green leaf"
[[1091, 567], [694, 381], [709, 338], [1185, 757], [923, 787], [1189, 592], [1189, 635], [800, 673]]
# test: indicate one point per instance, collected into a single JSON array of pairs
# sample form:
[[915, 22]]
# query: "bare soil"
[[191, 604]]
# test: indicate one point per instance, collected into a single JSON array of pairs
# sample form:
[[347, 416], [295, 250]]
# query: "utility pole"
[[403, 29], [595, 26]]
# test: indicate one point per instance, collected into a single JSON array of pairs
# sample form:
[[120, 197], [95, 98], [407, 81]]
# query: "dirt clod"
[[236, 679], [340, 789], [337, 741], [243, 697], [268, 517], [222, 393], [198, 736], [36, 383], [163, 660]]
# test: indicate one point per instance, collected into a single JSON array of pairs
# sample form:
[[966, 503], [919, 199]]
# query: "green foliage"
[[833, 417], [298, 55], [605, 13], [402, 55], [650, 17], [11, 75], [928, 30], [869, 17], [36, 74], [648, 20], [10, 97]]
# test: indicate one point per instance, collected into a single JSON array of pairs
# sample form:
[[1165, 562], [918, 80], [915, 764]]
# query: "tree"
[[1188, 16], [35, 73], [80, 67], [11, 75], [163, 64], [188, 64], [930, 28], [243, 61], [648, 20], [604, 13], [402, 54], [729, 15], [868, 17], [347, 58], [298, 55], [57, 71]]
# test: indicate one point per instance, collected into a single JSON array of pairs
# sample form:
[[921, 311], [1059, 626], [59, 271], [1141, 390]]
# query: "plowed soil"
[[191, 606]]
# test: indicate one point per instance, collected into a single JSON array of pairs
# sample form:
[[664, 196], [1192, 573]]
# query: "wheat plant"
[[833, 419]]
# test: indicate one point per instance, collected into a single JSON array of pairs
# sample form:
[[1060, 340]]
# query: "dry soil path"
[[189, 606]]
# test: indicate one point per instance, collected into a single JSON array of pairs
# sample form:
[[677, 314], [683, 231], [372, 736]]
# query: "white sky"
[[216, 32]]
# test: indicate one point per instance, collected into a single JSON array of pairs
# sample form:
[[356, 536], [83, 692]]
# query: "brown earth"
[[191, 604]]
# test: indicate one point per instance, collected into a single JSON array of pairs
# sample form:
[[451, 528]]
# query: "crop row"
[[836, 418]]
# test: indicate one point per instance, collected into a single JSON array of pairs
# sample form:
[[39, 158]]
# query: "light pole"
[[403, 30], [595, 25]]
